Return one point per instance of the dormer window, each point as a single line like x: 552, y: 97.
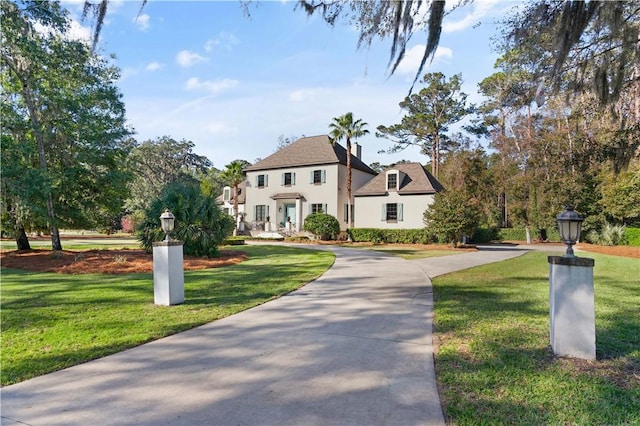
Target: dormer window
x: 392, y: 181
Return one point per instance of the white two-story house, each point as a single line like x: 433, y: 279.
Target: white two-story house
x: 305, y: 177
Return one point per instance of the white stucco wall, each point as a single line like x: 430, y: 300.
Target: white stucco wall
x: 368, y: 210
x: 331, y: 193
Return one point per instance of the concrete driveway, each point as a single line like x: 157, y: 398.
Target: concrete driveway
x: 351, y: 348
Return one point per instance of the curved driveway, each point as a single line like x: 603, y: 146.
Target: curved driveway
x: 351, y: 348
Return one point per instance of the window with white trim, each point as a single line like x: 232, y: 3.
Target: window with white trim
x: 226, y: 195
x: 346, y: 212
x: 392, y: 181
x: 288, y: 178
x: 318, y: 177
x: 318, y: 208
x: 261, y: 212
x: 262, y: 181
x: 392, y: 212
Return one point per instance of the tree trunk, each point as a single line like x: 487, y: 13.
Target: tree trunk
x: 22, y: 241
x: 235, y: 209
x: 349, y: 209
x: 37, y: 129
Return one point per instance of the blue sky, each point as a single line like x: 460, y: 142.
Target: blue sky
x: 232, y: 84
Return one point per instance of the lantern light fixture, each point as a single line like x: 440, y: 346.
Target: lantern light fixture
x: 569, y: 226
x: 167, y: 221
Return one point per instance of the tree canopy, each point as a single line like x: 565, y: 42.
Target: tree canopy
x: 63, y: 126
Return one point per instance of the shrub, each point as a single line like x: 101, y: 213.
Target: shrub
x: 200, y: 223
x: 633, y: 236
x: 451, y: 216
x: 485, y: 235
x: 397, y: 236
x: 234, y: 241
x: 322, y: 225
x: 610, y: 235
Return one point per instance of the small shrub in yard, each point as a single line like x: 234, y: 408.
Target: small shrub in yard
x: 322, y: 225
x: 610, y: 235
x: 633, y: 236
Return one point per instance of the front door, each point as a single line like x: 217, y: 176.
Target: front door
x: 290, y: 213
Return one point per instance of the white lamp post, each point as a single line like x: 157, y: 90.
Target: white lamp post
x: 569, y: 226
x: 571, y: 295
x: 167, y: 222
x: 168, y: 268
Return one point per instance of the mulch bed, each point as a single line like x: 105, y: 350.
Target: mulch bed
x: 123, y: 261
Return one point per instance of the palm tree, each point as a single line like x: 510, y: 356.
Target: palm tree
x: 345, y: 127
x: 234, y: 175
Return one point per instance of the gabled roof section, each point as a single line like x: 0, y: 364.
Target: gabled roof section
x: 241, y: 194
x: 309, y: 151
x: 416, y: 181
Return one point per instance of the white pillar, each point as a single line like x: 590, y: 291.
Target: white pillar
x: 298, y: 214
x: 168, y: 273
x: 572, y: 307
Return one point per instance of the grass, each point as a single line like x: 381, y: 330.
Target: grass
x: 494, y: 363
x: 78, y: 244
x: 407, y: 252
x: 53, y: 321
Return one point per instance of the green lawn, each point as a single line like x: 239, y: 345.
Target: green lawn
x: 53, y: 321
x: 407, y: 252
x: 494, y: 362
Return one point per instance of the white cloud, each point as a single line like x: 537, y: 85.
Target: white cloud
x: 142, y: 21
x: 413, y: 57
x: 224, y: 39
x: 478, y: 9
x: 303, y: 95
x: 185, y: 58
x: 75, y: 32
x: 214, y: 87
x: 154, y: 66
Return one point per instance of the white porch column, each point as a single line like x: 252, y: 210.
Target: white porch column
x: 298, y: 214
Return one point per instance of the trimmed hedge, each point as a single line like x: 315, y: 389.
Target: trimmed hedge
x: 486, y: 235
x: 392, y: 236
x: 234, y: 241
x: 633, y: 236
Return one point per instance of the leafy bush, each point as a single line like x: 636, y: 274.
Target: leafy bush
x: 452, y: 215
x: 633, y: 236
x: 322, y: 225
x: 234, y: 241
x: 200, y: 223
x: 485, y: 235
x: 610, y: 235
x: 520, y: 234
x: 397, y: 236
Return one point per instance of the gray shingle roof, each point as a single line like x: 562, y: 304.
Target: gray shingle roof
x: 416, y: 181
x: 309, y: 151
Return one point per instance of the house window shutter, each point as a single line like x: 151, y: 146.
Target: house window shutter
x: 257, y: 180
x: 383, y: 217
x: 324, y: 208
x: 255, y: 213
x: 324, y: 176
x: 346, y: 212
x: 311, y: 177
x: 266, y: 180
x: 399, y: 211
x: 293, y: 178
x: 267, y: 211
x: 282, y: 179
